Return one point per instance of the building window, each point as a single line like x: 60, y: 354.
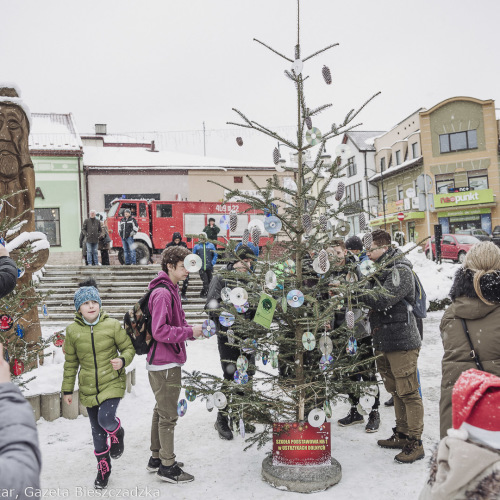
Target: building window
x: 351, y: 167
x: 458, y: 141
x: 400, y: 192
x: 382, y: 164
x: 414, y: 149
x: 238, y: 180
x: 47, y: 221
x: 353, y: 192
x: 164, y: 210
x: 398, y: 157
x: 445, y: 183
x: 478, y: 180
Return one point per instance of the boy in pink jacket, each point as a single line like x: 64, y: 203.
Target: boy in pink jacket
x: 170, y: 332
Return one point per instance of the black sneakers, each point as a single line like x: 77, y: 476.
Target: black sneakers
x: 352, y: 418
x: 373, y: 421
x: 174, y: 474
x: 222, y: 427
x: 154, y: 464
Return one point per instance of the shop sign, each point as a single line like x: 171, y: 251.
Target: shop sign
x: 470, y: 198
x: 469, y: 211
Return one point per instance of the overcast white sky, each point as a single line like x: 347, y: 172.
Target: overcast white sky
x: 165, y: 65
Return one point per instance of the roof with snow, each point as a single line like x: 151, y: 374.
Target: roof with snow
x: 54, y: 132
x: 398, y: 168
x: 138, y: 158
x: 112, y: 139
x: 364, y: 140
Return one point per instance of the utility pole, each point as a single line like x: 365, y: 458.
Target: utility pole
x: 383, y: 196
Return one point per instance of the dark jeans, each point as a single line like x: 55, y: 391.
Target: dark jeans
x: 103, y: 420
x: 367, y: 372
x: 185, y: 284
x: 206, y: 277
x: 129, y: 250
x: 92, y: 254
x: 105, y: 257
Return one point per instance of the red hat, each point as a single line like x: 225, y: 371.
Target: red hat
x: 476, y: 406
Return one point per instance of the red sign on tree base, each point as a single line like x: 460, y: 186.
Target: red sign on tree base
x: 299, y: 443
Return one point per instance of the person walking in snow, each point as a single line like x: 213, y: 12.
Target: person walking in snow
x: 92, y: 230
x: 397, y: 344
x: 127, y: 229
x: 208, y: 254
x: 344, y: 265
x: 98, y: 349
x: 177, y: 242
x: 466, y: 464
x: 475, y: 306
x: 164, y: 361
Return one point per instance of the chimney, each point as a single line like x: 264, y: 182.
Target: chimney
x: 153, y: 148
x: 100, y: 128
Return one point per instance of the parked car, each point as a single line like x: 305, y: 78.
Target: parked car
x: 496, y: 236
x: 480, y: 234
x: 453, y: 246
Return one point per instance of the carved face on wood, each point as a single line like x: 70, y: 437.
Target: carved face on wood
x: 13, y: 134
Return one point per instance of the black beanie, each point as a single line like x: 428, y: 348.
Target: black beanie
x: 354, y: 243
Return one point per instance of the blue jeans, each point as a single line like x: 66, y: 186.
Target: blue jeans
x: 103, y: 420
x: 129, y: 250
x: 92, y: 254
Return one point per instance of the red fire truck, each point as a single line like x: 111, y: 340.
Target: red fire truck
x: 159, y: 220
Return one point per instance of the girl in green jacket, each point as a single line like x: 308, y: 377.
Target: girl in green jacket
x: 91, y: 345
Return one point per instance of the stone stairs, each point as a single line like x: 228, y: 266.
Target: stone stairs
x: 119, y: 287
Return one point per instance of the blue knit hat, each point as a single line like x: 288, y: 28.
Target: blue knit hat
x: 86, y: 293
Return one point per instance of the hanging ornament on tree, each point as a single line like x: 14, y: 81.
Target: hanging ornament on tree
x: 309, y: 122
x: 273, y: 356
x: 327, y: 75
x: 352, y: 346
x: 20, y: 272
x: 246, y: 237
x: 307, y: 223
x: 242, y: 428
x: 368, y: 240
x: 308, y: 341
x: 19, y: 331
x: 340, y: 191
x: 276, y: 156
x: 349, y: 319
x: 343, y: 228
x: 319, y: 268
x: 297, y: 66
x: 17, y: 367
x: 362, y: 222
x: 182, y: 407
x: 327, y: 408
x: 367, y: 267
x: 45, y: 311
x: 324, y: 263
x: 59, y: 339
x: 265, y: 358
x: 256, y: 236
x: 323, y: 222
x: 2, y: 241
x: 313, y: 136
x: 6, y: 323
x: 239, y: 141
x: 210, y: 402
x: 233, y: 222
x: 316, y: 417
x: 190, y: 394
x: 396, y: 278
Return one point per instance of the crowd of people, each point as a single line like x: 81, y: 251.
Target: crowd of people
x: 467, y: 460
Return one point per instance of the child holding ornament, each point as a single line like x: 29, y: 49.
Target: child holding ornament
x: 98, y: 346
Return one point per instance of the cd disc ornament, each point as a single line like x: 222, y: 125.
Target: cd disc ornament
x: 276, y: 155
x: 272, y: 224
x: 327, y: 76
x: 225, y: 294
x: 352, y: 346
x: 340, y: 191
x: 208, y: 328
x: 220, y: 400
x: 325, y: 362
x: 316, y: 417
x: 238, y: 296
x: 182, y: 407
x: 192, y: 263
x: 240, y: 378
x: 226, y: 319
x: 325, y: 345
x: 367, y: 267
x: 343, y: 228
x: 243, y: 308
x: 308, y: 341
x: 233, y: 222
x: 313, y: 136
x: 224, y: 222
x: 295, y: 298
x: 239, y: 141
x: 271, y: 280
x: 242, y: 363
x: 190, y: 394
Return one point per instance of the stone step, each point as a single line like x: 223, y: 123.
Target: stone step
x: 191, y: 318
x: 103, y: 285
x: 116, y: 294
x: 115, y: 306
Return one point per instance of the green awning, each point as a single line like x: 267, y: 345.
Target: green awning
x: 391, y: 219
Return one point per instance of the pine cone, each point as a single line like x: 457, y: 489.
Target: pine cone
x: 239, y: 141
x: 233, y: 222
x: 307, y: 223
x: 349, y: 318
x: 368, y: 240
x: 276, y: 156
x: 362, y: 222
x: 246, y: 237
x: 309, y: 122
x: 340, y: 191
x: 256, y: 236
x: 323, y: 260
x: 323, y: 222
x: 327, y: 75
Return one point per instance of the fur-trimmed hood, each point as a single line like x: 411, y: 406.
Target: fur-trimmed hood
x: 463, y: 286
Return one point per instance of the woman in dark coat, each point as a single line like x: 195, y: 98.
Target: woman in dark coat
x: 475, y: 296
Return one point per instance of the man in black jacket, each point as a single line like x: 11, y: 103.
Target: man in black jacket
x: 92, y: 230
x: 177, y: 242
x: 8, y: 273
x: 397, y: 343
x: 127, y: 229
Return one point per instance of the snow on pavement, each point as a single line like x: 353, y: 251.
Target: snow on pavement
x: 222, y: 469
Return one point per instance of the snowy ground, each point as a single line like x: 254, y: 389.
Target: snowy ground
x: 221, y: 468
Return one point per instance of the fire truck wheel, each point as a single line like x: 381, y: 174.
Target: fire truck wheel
x: 141, y: 253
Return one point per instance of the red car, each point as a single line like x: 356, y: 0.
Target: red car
x: 453, y: 246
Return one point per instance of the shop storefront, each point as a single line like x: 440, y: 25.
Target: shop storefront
x: 393, y: 225
x: 462, y: 214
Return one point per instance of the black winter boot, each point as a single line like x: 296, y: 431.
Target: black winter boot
x: 117, y: 443
x: 222, y: 427
x: 373, y: 421
x: 352, y: 418
x: 103, y: 469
